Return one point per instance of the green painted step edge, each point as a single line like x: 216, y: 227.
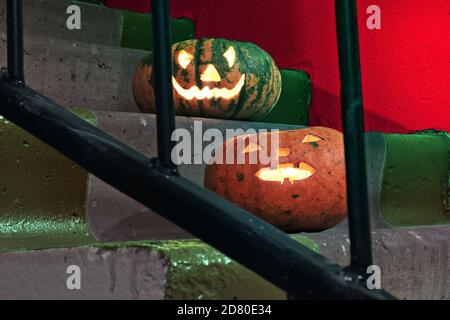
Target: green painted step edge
x: 415, y: 184
x: 197, y: 271
x: 446, y: 136
x: 137, y: 30
x: 43, y: 195
x: 293, y: 105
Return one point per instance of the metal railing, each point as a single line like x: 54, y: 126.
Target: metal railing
x: 353, y: 124
x: 155, y: 182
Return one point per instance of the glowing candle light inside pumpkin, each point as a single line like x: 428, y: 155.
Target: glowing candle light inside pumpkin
x: 215, y: 78
x: 284, y: 152
x: 195, y: 92
x: 210, y: 74
x: 311, y: 159
x: 184, y: 58
x: 286, y: 171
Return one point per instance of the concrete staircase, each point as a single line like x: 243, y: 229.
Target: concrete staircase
x: 53, y: 214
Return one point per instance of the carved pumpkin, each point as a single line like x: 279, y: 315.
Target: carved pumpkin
x: 305, y: 191
x: 215, y: 78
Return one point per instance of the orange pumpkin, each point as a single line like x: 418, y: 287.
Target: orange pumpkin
x: 305, y: 191
x: 215, y: 78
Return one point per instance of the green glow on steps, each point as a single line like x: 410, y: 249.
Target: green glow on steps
x: 198, y: 271
x: 415, y: 189
x: 43, y: 195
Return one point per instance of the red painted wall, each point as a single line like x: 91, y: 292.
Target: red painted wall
x: 405, y: 65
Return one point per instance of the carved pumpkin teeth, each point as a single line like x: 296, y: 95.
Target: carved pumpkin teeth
x: 284, y: 152
x: 207, y: 93
x: 306, y: 167
x: 286, y: 171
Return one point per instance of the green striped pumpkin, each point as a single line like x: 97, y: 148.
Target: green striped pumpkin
x: 215, y: 78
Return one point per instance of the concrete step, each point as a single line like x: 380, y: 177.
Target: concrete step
x: 99, y: 25
x: 97, y: 77
x: 47, y: 199
x: 414, y: 265
x: 44, y: 203
x: 114, y: 216
x: 47, y: 18
x: 47, y: 202
x: 402, y: 193
x: 72, y: 195
x: 78, y: 74
x: 146, y: 270
x: 94, y: 67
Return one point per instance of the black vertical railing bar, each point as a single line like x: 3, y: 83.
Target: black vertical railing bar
x: 162, y: 77
x: 353, y: 125
x: 15, y: 41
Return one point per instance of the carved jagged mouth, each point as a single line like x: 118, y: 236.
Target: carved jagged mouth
x: 286, y: 171
x: 206, y: 93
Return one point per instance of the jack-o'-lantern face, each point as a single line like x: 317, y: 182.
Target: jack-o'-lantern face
x: 304, y: 191
x: 216, y: 78
x: 210, y: 77
x: 289, y: 171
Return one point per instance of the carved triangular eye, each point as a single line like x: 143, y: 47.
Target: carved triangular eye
x: 252, y: 147
x: 309, y: 138
x: 185, y: 58
x: 230, y: 55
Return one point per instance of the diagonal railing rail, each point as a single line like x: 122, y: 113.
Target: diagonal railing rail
x: 156, y: 183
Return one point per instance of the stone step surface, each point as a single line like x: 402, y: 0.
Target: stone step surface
x: 413, y: 261
x: 78, y: 74
x: 98, y: 77
x: 46, y: 200
x: 113, y: 216
x: 47, y: 18
x: 145, y: 271
x: 99, y: 24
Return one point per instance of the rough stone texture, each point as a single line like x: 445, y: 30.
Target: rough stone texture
x: 113, y: 215
x: 126, y: 273
x: 43, y: 194
x: 134, y: 270
x: 76, y: 74
x: 415, y: 263
x: 47, y: 18
x: 197, y: 271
